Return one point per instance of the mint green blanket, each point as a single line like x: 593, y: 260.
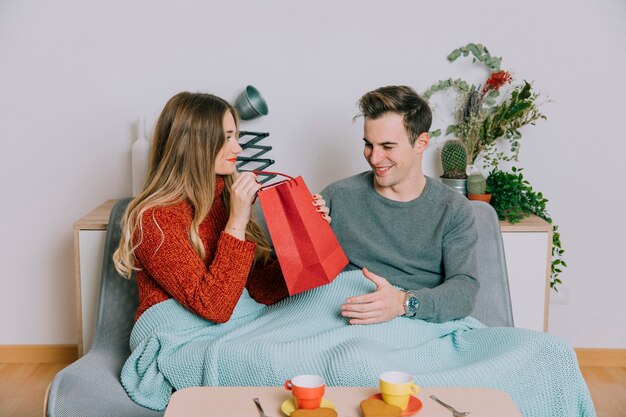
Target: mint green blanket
x: 263, y: 346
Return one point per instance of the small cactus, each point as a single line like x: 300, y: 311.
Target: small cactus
x: 476, y: 184
x: 454, y: 159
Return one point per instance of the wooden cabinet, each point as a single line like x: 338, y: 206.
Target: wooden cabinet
x: 527, y: 247
x: 528, y: 251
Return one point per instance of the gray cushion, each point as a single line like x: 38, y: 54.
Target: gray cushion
x: 91, y: 385
x: 493, y: 303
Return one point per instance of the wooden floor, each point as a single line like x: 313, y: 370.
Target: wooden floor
x: 608, y: 390
x: 23, y: 387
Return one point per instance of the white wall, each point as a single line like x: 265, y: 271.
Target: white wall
x: 75, y: 75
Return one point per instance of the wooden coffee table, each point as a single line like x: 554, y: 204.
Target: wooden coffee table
x: 237, y: 401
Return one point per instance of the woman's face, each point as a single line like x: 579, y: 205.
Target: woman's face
x: 227, y: 156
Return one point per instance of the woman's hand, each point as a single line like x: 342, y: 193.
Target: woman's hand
x: 320, y: 206
x: 242, y: 195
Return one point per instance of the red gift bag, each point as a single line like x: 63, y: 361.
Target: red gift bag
x: 307, y: 249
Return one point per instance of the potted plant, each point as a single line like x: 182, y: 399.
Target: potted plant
x: 454, y: 163
x: 513, y: 198
x: 477, y: 187
x: 489, y: 125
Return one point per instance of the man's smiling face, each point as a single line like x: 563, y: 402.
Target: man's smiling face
x: 395, y: 162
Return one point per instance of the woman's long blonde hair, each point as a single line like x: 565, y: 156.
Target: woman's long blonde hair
x: 187, y: 138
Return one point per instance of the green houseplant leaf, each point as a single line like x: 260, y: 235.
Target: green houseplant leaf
x: 513, y: 198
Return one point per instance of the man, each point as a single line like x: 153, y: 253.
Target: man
x: 400, y: 227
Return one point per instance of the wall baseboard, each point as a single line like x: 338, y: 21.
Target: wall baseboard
x: 601, y: 357
x: 38, y: 353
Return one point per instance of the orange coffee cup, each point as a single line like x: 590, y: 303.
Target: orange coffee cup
x: 308, y: 391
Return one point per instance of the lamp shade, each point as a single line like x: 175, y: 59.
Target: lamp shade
x: 250, y: 104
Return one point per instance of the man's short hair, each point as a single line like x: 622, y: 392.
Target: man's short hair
x: 399, y: 99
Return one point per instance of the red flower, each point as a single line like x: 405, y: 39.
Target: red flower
x: 497, y: 80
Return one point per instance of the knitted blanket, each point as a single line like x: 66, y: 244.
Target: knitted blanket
x: 306, y: 334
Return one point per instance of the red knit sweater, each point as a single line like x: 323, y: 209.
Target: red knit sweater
x: 171, y: 268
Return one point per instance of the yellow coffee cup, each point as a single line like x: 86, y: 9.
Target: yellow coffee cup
x: 396, y: 388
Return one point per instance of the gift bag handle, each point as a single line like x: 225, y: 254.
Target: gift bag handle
x: 289, y: 178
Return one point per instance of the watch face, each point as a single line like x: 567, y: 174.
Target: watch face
x: 413, y: 304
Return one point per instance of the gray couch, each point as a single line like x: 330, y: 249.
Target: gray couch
x: 90, y: 386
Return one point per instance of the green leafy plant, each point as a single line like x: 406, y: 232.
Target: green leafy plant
x: 454, y: 160
x: 513, y: 198
x: 482, y: 116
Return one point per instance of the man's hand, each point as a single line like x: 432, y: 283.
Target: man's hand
x: 384, y: 304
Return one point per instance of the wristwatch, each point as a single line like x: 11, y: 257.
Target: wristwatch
x: 411, y: 304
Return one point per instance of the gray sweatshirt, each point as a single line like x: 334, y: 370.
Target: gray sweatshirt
x: 426, y: 245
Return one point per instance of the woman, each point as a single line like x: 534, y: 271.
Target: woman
x: 190, y: 234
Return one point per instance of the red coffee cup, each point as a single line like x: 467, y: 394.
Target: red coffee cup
x: 308, y: 391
